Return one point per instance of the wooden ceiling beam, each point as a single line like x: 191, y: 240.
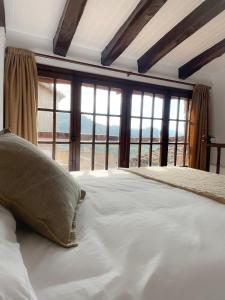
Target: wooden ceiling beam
x: 205, y: 12
x: 2, y: 14
x: 68, y: 23
x: 142, y: 14
x: 201, y: 60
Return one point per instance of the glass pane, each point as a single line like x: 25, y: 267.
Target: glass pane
x: 100, y: 128
x: 101, y: 100
x: 86, y: 128
x: 63, y: 95
x: 62, y: 127
x: 157, y: 126
x: 114, y: 129
x: 181, y: 132
x: 115, y: 101
x: 45, y: 126
x: 170, y: 157
x: 87, y: 98
x: 133, y: 155
x: 158, y: 106
x: 144, y: 155
x: 180, y: 155
x: 113, y: 156
x: 173, y: 108
x: 85, y: 157
x: 62, y: 154
x: 172, y: 131
x: 183, y: 109
x: 46, y: 148
x: 45, y: 92
x: 136, y: 104
x: 147, y: 105
x: 146, y: 130
x: 155, y: 155
x: 100, y: 153
x: 187, y: 156
x: 135, y: 130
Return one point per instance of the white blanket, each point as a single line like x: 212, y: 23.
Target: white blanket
x: 139, y: 239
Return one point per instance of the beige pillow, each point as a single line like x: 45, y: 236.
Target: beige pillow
x: 37, y: 190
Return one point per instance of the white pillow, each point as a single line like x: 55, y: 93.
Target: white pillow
x: 14, y: 281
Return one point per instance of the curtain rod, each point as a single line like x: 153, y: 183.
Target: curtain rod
x: 112, y: 69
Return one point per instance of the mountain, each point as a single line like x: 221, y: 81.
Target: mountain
x: 63, y: 126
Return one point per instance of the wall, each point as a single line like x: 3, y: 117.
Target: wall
x: 2, y: 55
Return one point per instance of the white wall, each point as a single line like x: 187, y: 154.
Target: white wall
x: 2, y: 56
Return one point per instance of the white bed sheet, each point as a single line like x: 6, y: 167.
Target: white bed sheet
x: 139, y: 239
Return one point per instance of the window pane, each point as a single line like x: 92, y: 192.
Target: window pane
x: 100, y: 128
x: 86, y: 128
x: 136, y: 104
x: 157, y: 126
x: 172, y: 131
x: 133, y: 155
x: 187, y: 156
x: 100, y: 152
x: 85, y: 157
x: 46, y: 148
x: 147, y: 105
x: 155, y: 155
x: 115, y: 102
x: 144, y: 155
x: 135, y: 130
x: 45, y: 126
x: 87, y: 98
x: 180, y: 155
x: 114, y: 129
x: 146, y: 130
x: 158, y: 106
x: 45, y: 92
x: 62, y: 127
x: 101, y: 100
x: 170, y: 157
x: 62, y: 155
x: 63, y: 95
x: 173, y: 108
x: 181, y: 132
x: 183, y: 109
x: 113, y: 156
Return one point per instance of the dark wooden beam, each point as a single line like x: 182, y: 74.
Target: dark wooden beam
x: 2, y: 14
x: 201, y: 60
x: 68, y: 23
x: 142, y: 14
x: 205, y: 12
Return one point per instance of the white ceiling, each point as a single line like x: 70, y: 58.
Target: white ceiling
x: 32, y: 24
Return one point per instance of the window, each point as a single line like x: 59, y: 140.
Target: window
x: 91, y: 122
x: 178, y: 130
x: 100, y: 127
x: 54, y: 118
x: 145, y: 129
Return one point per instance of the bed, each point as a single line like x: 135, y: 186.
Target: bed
x: 138, y: 239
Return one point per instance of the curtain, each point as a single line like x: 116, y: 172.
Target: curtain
x: 198, y: 127
x: 20, y: 92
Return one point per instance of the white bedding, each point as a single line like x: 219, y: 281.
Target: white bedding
x: 139, y: 239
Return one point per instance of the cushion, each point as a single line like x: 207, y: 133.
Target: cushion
x: 37, y: 190
x: 14, y: 280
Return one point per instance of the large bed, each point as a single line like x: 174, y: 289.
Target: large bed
x: 138, y: 239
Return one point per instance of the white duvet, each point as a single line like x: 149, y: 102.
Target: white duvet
x: 139, y: 239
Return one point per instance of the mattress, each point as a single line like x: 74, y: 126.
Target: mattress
x: 138, y: 239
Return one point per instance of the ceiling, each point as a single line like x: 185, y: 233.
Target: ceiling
x: 32, y: 24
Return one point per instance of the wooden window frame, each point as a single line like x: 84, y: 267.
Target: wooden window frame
x: 127, y: 87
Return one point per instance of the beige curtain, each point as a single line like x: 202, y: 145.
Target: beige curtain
x: 198, y: 127
x: 20, y: 92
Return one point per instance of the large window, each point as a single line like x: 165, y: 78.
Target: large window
x: 91, y: 122
x: 100, y: 127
